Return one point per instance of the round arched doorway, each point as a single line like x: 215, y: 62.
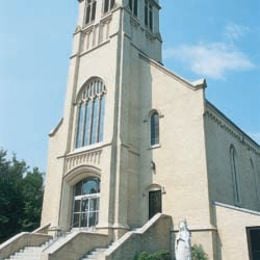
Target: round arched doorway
x: 86, y: 203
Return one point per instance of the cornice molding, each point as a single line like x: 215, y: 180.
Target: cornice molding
x: 228, y: 126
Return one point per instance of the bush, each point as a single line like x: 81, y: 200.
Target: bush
x: 198, y: 253
x: 159, y: 255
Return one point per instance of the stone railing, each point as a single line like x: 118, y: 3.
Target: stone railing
x: 42, y: 230
x: 154, y: 235
x: 90, y: 157
x: 20, y: 241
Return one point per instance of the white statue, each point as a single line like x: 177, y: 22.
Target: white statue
x: 183, y: 242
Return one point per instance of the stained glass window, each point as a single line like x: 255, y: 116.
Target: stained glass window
x: 154, y: 125
x: 234, y: 173
x: 91, y: 112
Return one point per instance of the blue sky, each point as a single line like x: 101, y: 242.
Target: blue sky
x: 216, y: 40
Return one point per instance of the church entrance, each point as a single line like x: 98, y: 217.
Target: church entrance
x: 155, y: 202
x: 86, y: 203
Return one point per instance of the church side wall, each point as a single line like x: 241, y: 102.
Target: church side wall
x: 221, y: 134
x: 180, y: 155
x: 179, y: 158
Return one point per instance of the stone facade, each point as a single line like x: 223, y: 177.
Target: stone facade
x: 190, y: 165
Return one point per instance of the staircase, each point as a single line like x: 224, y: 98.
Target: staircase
x: 95, y: 254
x: 29, y: 252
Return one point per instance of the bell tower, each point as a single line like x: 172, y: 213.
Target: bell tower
x: 93, y: 159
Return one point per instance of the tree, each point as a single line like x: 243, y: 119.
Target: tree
x: 32, y: 190
x: 21, y: 193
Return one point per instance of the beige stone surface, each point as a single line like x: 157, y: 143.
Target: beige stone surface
x: 75, y: 246
x: 232, y: 223
x: 192, y: 165
x: 20, y: 241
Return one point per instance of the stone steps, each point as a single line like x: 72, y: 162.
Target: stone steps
x: 29, y: 252
x: 93, y: 255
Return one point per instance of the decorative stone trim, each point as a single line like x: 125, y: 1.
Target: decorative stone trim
x: 94, y: 35
x: 53, y: 131
x: 148, y: 115
x: 75, y: 160
x: 166, y: 71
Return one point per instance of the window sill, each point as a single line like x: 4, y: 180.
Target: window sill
x: 89, y: 148
x: 88, y: 25
x: 156, y: 146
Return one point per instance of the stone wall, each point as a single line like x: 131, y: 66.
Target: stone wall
x: 153, y: 236
x: 221, y: 134
x: 74, y: 246
x: 20, y: 241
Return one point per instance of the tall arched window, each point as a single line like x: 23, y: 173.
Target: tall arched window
x: 148, y: 14
x: 108, y: 5
x: 233, y: 162
x: 133, y: 6
x: 86, y: 203
x: 91, y: 110
x: 154, y: 128
x: 90, y: 14
x: 255, y: 177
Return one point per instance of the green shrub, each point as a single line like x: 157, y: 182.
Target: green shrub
x: 159, y: 255
x: 198, y: 253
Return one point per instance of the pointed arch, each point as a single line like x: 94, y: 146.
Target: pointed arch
x: 255, y: 177
x: 234, y: 171
x: 90, y: 113
x: 108, y: 5
x: 154, y: 128
x: 90, y: 12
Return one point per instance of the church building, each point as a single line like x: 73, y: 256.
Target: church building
x: 140, y: 149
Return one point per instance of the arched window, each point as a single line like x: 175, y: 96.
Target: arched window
x: 90, y: 14
x: 91, y: 110
x: 154, y: 128
x: 255, y: 177
x: 108, y: 5
x: 86, y: 203
x: 133, y: 6
x: 233, y: 162
x: 148, y: 14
